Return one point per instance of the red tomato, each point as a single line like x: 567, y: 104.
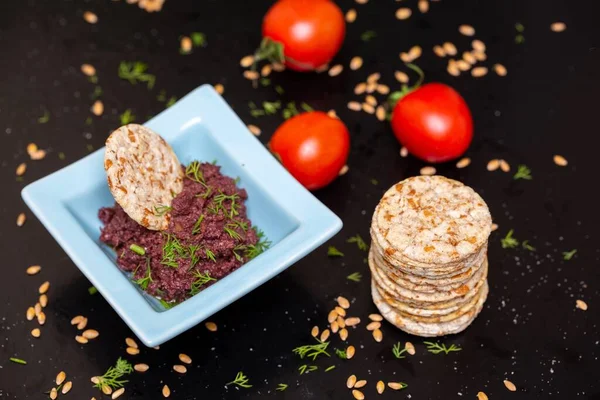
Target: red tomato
x: 311, y: 31
x: 313, y: 147
x: 433, y: 122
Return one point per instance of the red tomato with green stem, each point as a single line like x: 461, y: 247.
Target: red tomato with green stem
x: 302, y: 34
x: 313, y: 147
x: 432, y: 121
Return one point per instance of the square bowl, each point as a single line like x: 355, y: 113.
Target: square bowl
x: 200, y: 126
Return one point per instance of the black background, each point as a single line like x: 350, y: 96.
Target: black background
x: 529, y: 330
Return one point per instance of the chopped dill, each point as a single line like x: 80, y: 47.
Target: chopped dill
x: 194, y: 172
x: 147, y: 278
x: 398, y: 350
x: 437, y: 348
x: 341, y: 354
x: 312, y: 350
x: 135, y: 72
x: 161, y: 210
x: 355, y: 276
x: 332, y: 251
x: 567, y: 255
x: 523, y: 172
x: 254, y: 250
x: 240, y: 380
x: 198, y: 225
x: 127, y: 117
x: 281, y: 387
x: 210, y: 255
x: 201, y: 280
x: 509, y: 242
x: 112, y: 377
x: 360, y: 243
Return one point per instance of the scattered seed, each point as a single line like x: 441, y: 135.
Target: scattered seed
x: 351, y: 15
x: 356, y: 63
x: 410, y: 348
x: 106, y: 389
x: 324, y: 335
x: 380, y: 113
x: 371, y: 87
x: 478, y: 45
x: 350, y: 381
x: 470, y: 58
x: 255, y: 130
x: 478, y: 72
x: 41, y: 318
x: 43, y: 300
x: 401, y: 77
x: 81, y: 339
x: 44, y: 287
x: 20, y: 222
x: 560, y: 160
x: 360, y: 384
x: 494, y: 227
x: 466, y: 30
x: 341, y: 322
x: 91, y: 334
x: 131, y: 343
x: 336, y: 70
x: 415, y: 52
x: 36, y: 332
x: 95, y: 380
x: 30, y: 313
x: 428, y: 170
x: 88, y: 69
x: 60, y: 377
x: 38, y: 155
x: 354, y: 106
x: 185, y: 44
x: 558, y: 26
x: 184, y: 358
x: 344, y: 170
x: 374, y: 77
x: 343, y: 334
x: 34, y: 269
x: 403, y: 152
x: 332, y: 114
x: 340, y: 311
x: 438, y: 51
x: 332, y: 316
x: 463, y: 162
x: 132, y: 351
x: 82, y: 324
x: 500, y: 70
x: 166, y: 392
x: 66, y: 387
x: 117, y: 393
x: 370, y: 99
x: 380, y: 387
x: 375, y: 317
x: 366, y: 107
x: 360, y: 88
x: 278, y: 67
x: 396, y: 385
x: 504, y: 166
x: 180, y: 369
x: 266, y: 70
x: 463, y: 65
x: 211, y: 326
x: 582, y: 305
x: 482, y: 396
x: 479, y: 56
x: 219, y: 88
x: 343, y: 302
x: 90, y: 17
x: 247, y: 61
x: 350, y: 351
x: 251, y: 75
x: 423, y: 6
x: 450, y: 48
x: 141, y: 367
x: 362, y: 1
x: 405, y: 57
x: 97, y: 108
x: 37, y: 308
x: 334, y: 327
x: 493, y: 165
x: 373, y: 325
x: 382, y: 89
x: 403, y: 13
x: 358, y: 395
x: 377, y: 335
x: 21, y: 168
x: 453, y: 68
x: 53, y: 394
x: 76, y: 320
x: 510, y: 386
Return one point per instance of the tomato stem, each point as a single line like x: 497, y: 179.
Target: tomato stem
x: 419, y: 71
x: 396, y: 96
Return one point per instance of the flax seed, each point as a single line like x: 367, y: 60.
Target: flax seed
x: 415, y: 52
x: 351, y: 15
x: 34, y: 269
x: 482, y: 396
x: 493, y: 165
x: 21, y: 168
x: 30, y: 313
x: 38, y: 155
x: 360, y: 384
x: 219, y: 88
x: 463, y: 162
x: 117, y: 393
x: 343, y: 334
x: 558, y: 26
x: 324, y: 335
x: 366, y: 107
x: 360, y: 88
x: 90, y: 17
x: 332, y: 316
x: 375, y: 317
x: 504, y: 166
x: 401, y: 77
x: 428, y: 170
x: 82, y: 324
x: 560, y: 160
x: 350, y: 381
x: 405, y: 57
x: 354, y: 106
x: 374, y: 77
x: 185, y: 44
x: 350, y: 351
x: 380, y: 387
x: 449, y: 48
x: 250, y: 75
x: 132, y: 351
x: 53, y: 394
x: 88, y: 69
x: 382, y: 89
x: 141, y: 367
x: 510, y: 386
x: 373, y: 325
x: 466, y: 30
x: 166, y: 392
x: 358, y: 395
x: 370, y: 99
x: 43, y: 300
x: 423, y: 6
x: 247, y: 61
x: 44, y: 287
x: 582, y: 305
x: 478, y: 72
x: 403, y: 13
x: 396, y: 385
x: 266, y: 70
x: 362, y: 1
x: 403, y: 152
x: 463, y: 65
x: 36, y: 332
x: 81, y: 339
x: 66, y: 387
x: 336, y: 70
x: 38, y: 309
x: 255, y: 130
x: 438, y: 51
x: 500, y: 70
x: 344, y: 170
x: 131, y: 343
x: 478, y: 45
x: 334, y: 327
x: 97, y: 108
x: 60, y: 378
x: 21, y: 221
x: 470, y: 58
x: 479, y: 56
x: 377, y: 335
x: 453, y: 69
x: 356, y: 63
x: 343, y: 302
x: 41, y: 318
x: 95, y: 380
x: 76, y: 320
x: 340, y: 311
x: 371, y: 87
x: 179, y: 369
x: 341, y: 322
x: 211, y: 326
x: 380, y: 113
x: 90, y: 334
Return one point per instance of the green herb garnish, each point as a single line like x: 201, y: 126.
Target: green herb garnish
x: 271, y: 107
x: 509, y: 242
x: 567, y: 255
x: 240, y: 380
x: 137, y: 249
x: 198, y: 39
x: 167, y: 304
x: 265, y: 82
x: 332, y: 251
x: 219, y: 204
x: 127, y: 117
x: 290, y: 110
x: 18, y: 361
x: 89, y: 121
x: 44, y: 118
x: 198, y: 225
x: 112, y: 377
x: 523, y: 172
x: 355, y: 276
x: 161, y: 210
x: 437, y: 348
x: 306, y: 107
x: 374, y: 182
x: 144, y: 281
x: 89, y: 147
x: 97, y: 93
x: 210, y: 255
x: 359, y: 242
x: 135, y: 72
x: 330, y: 368
x: 527, y: 246
x: 201, y: 280
x: 92, y: 290
x: 173, y: 249
x: 312, y: 350
x: 194, y: 172
x: 279, y: 90
x: 281, y: 387
x: 230, y: 230
x: 304, y: 369
x: 368, y: 35
x: 341, y: 354
x: 172, y: 100
x: 398, y: 350
x: 254, y: 250
x: 61, y: 156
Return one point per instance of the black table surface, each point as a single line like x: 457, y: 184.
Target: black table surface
x: 529, y: 331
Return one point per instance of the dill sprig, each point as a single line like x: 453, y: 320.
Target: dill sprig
x: 355, y: 276
x: 330, y: 368
x: 368, y: 35
x: 197, y: 225
x: 230, y: 230
x: 290, y: 110
x: 240, y: 380
x: 305, y: 369
x: 341, y: 354
x: 219, y: 204
x: 18, y: 361
x: 173, y: 249
x: 254, y: 250
x: 509, y: 242
x: 193, y: 171
x: 112, y: 377
x: 198, y: 39
x: 161, y: 210
x: 127, y: 117
x: 44, y: 118
x: 281, y: 387
x: 360, y: 243
x: 523, y: 172
x: 201, y: 280
x: 332, y: 251
x: 312, y: 350
x: 437, y: 348
x: 567, y: 255
x: 527, y: 246
x: 137, y: 249
x: 167, y: 304
x: 135, y: 72
x: 147, y: 278
x: 210, y: 255
x: 398, y: 350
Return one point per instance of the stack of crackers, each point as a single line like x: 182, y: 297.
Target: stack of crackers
x: 428, y: 255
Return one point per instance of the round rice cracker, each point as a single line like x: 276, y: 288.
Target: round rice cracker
x: 431, y: 220
x: 425, y: 329
x: 143, y: 173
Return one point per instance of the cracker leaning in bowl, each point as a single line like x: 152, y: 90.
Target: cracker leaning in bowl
x: 428, y: 255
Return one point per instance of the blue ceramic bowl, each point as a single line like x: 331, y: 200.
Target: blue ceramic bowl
x: 200, y: 126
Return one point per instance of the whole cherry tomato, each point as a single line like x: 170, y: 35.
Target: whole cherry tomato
x: 313, y: 147
x: 433, y: 122
x: 303, y: 34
